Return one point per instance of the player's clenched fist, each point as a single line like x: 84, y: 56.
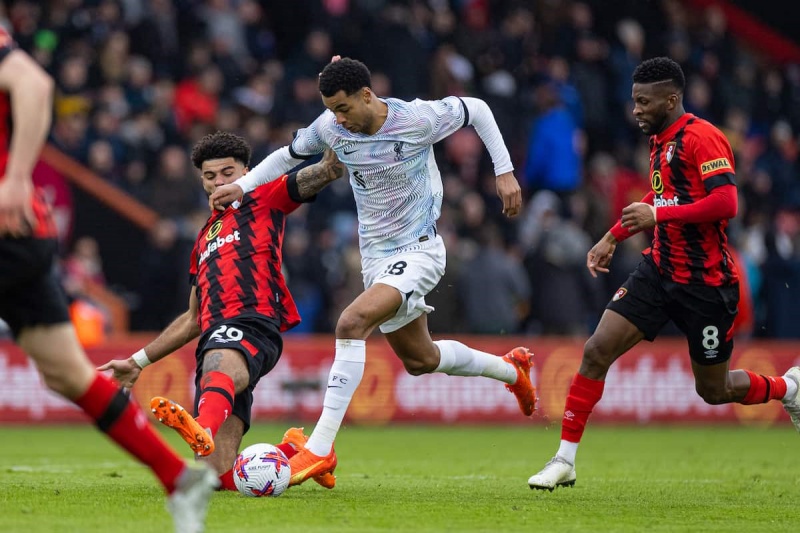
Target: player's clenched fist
x: 224, y: 196
x: 638, y: 216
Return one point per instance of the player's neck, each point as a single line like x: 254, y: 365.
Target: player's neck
x: 380, y: 113
x: 672, y: 119
x: 675, y: 117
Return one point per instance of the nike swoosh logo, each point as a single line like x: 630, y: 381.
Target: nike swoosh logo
x: 350, y: 152
x: 304, y: 474
x: 334, y: 386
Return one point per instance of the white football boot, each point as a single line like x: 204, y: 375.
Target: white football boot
x: 188, y: 504
x: 556, y: 473
x: 792, y: 405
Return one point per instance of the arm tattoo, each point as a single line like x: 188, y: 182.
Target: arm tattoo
x: 314, y: 178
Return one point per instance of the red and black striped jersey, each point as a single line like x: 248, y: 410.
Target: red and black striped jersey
x: 687, y: 161
x: 236, y: 260
x: 45, y: 225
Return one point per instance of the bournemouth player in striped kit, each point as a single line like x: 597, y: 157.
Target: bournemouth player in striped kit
x: 687, y: 276
x: 239, y: 305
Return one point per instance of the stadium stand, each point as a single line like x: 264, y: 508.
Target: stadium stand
x: 140, y: 80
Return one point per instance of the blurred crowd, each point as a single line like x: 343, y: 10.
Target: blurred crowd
x: 139, y: 81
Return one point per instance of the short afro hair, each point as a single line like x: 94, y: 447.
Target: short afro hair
x: 220, y: 145
x: 660, y: 69
x: 348, y: 75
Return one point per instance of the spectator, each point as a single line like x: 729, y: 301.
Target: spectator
x: 552, y: 161
x: 555, y: 260
x: 177, y: 197
x: 197, y: 98
x: 493, y: 286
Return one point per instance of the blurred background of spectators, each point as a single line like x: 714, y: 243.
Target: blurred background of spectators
x: 139, y: 81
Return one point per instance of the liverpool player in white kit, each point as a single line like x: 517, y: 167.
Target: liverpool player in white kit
x: 387, y: 146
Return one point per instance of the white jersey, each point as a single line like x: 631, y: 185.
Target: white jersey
x: 395, y: 180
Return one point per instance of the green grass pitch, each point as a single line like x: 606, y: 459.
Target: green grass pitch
x: 427, y: 478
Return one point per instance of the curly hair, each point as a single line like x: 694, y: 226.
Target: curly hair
x: 220, y: 145
x: 348, y: 75
x: 660, y: 69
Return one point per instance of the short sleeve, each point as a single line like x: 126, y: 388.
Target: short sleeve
x: 278, y: 195
x: 309, y: 141
x: 445, y: 116
x: 713, y: 157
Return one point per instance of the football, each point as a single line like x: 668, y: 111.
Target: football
x: 261, y: 470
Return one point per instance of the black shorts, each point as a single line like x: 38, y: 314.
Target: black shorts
x: 703, y: 313
x: 260, y: 343
x: 30, y: 291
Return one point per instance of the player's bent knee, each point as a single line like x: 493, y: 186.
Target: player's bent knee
x: 596, y: 359
x: 713, y: 396
x: 417, y: 367
x: 351, y: 325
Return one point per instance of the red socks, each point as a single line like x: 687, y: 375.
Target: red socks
x: 287, y: 449
x: 226, y: 479
x: 216, y: 400
x: 126, y: 424
x: 764, y: 388
x: 584, y: 393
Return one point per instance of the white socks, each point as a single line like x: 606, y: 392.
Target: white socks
x: 345, y: 375
x: 456, y: 359
x: 567, y: 451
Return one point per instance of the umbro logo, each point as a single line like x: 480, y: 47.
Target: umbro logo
x: 569, y: 415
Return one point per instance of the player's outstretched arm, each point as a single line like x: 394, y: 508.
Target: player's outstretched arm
x: 482, y: 119
x: 271, y: 168
x: 314, y: 178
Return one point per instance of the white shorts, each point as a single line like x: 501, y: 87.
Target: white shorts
x: 414, y: 272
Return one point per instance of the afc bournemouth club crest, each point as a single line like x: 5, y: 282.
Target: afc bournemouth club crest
x: 670, y: 151
x: 622, y: 291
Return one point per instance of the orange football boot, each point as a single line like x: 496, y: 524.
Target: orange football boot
x: 296, y: 438
x: 307, y: 465
x: 173, y: 415
x: 523, y: 389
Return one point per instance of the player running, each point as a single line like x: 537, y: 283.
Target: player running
x: 239, y: 305
x: 34, y: 304
x: 687, y: 276
x: 387, y: 146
